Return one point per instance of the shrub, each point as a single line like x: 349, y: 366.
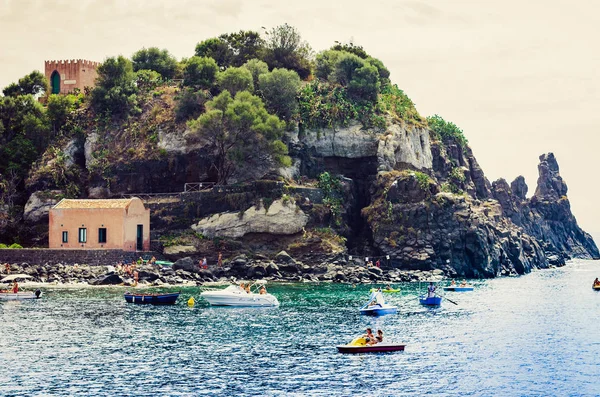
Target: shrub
x: 445, y: 130
x: 190, y: 104
x: 34, y: 83
x: 233, y: 49
x: 326, y: 62
x: 200, y: 72
x: 235, y: 80
x: 256, y: 68
x: 147, y: 80
x: 15, y: 246
x: 279, y: 89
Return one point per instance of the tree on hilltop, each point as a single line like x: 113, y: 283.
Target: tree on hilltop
x: 285, y: 48
x: 115, y: 92
x: 232, y: 49
x: 153, y: 58
x: 32, y: 84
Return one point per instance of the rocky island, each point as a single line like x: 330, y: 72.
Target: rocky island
x: 297, y: 168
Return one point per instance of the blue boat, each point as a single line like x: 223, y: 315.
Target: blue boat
x: 152, y: 299
x: 430, y: 301
x: 377, y: 306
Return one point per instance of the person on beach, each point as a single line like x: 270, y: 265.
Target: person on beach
x: 15, y: 287
x: 378, y: 264
x: 204, y: 264
x: 431, y: 290
x: 220, y: 260
x: 7, y: 267
x: 136, y: 277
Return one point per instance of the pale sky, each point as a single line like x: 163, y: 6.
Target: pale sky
x: 521, y: 78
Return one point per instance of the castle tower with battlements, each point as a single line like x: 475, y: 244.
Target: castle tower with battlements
x: 66, y: 75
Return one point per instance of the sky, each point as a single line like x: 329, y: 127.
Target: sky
x: 521, y: 78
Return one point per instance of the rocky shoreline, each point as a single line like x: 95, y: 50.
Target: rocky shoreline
x: 282, y: 268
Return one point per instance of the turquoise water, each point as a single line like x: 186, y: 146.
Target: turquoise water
x: 535, y: 335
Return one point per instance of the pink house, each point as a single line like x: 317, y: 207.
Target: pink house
x: 100, y: 224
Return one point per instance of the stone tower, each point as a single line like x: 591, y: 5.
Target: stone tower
x: 64, y: 76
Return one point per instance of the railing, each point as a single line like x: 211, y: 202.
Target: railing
x: 197, y: 186
x: 148, y: 195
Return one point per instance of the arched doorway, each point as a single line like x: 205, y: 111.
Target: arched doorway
x: 55, y: 82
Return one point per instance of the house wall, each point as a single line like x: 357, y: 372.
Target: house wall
x: 71, y: 219
x: 136, y: 215
x: 74, y: 73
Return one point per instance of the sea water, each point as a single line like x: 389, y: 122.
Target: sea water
x: 534, y: 335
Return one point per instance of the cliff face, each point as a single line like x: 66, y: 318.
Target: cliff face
x: 547, y: 215
x: 404, y: 192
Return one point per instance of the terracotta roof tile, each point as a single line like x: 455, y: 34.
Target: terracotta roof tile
x: 99, y: 203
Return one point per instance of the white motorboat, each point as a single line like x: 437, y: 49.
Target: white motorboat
x: 11, y: 296
x: 234, y: 295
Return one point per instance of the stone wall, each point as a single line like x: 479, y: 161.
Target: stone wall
x: 69, y: 257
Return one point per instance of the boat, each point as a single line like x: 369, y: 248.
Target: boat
x: 9, y: 295
x: 596, y: 287
x: 234, y: 295
x: 359, y: 345
x: 430, y: 300
x: 378, y: 348
x: 385, y: 290
x: 458, y: 288
x: 23, y: 295
x: 152, y: 299
x: 376, y: 306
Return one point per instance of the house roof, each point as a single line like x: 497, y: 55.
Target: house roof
x: 94, y: 204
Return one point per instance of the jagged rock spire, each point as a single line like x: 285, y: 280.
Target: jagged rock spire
x: 549, y: 183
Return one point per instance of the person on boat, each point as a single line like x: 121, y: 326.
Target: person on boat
x: 247, y: 289
x: 464, y: 283
x: 369, y: 337
x: 453, y: 283
x: 379, y: 337
x: 388, y: 287
x: 263, y: 290
x: 596, y: 282
x: 15, y: 287
x: 431, y: 290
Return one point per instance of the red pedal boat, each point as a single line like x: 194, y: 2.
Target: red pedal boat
x: 378, y: 348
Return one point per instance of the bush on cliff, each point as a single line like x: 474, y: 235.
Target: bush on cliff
x: 241, y: 132
x: 444, y: 130
x: 256, y: 68
x: 233, y: 49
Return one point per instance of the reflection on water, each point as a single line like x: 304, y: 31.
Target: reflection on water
x: 531, y: 335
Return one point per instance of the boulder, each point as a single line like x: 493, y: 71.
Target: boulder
x: 186, y: 264
x: 38, y: 205
x: 280, y: 219
x: 179, y: 250
x: 283, y: 257
x: 107, y: 279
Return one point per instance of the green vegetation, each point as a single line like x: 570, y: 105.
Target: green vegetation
x: 34, y: 83
x: 445, y: 130
x: 235, y: 80
x: 423, y: 180
x: 156, y: 60
x: 200, y: 72
x: 12, y: 246
x: 279, y: 89
x: 284, y: 48
x: 115, y: 93
x: 256, y: 68
x: 241, y: 131
x: 332, y: 188
x: 233, y: 49
x: 190, y: 104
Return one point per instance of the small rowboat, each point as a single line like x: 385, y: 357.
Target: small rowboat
x: 377, y: 306
x: 458, y: 288
x: 152, y: 299
x: 385, y: 291
x: 11, y: 296
x: 430, y: 301
x: 377, y: 348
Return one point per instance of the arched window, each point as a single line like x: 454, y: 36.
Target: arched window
x: 55, y: 82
